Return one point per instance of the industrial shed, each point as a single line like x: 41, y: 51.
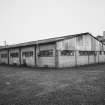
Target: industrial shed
x: 65, y: 51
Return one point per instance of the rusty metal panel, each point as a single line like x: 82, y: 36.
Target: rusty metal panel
x: 68, y: 44
x: 83, y: 43
x: 93, y: 44
x: 97, y: 45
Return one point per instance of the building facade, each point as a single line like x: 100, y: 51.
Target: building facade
x: 66, y: 51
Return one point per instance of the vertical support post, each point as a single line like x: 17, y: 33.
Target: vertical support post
x: 37, y: 51
x: 8, y: 55
x: 88, y: 58
x: 20, y: 55
x: 35, y: 56
x: 56, y: 56
x: 95, y: 57
x: 75, y: 57
x: 98, y: 57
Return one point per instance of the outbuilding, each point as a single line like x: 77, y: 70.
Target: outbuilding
x: 65, y: 51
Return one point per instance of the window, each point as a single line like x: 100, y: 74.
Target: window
x: 46, y: 53
x: 27, y: 54
x: 91, y: 52
x: 67, y: 53
x: 83, y: 53
x: 86, y: 53
x: 100, y: 52
x: 13, y: 55
x: 3, y: 55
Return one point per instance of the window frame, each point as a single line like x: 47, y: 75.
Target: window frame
x: 87, y: 53
x: 46, y: 53
x: 100, y: 52
x: 14, y: 54
x: 27, y: 54
x: 67, y: 52
x: 3, y: 55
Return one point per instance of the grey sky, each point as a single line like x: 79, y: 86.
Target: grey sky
x: 29, y: 20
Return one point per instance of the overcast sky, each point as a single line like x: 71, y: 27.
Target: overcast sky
x: 29, y: 20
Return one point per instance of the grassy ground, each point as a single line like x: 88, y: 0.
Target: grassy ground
x: 74, y: 86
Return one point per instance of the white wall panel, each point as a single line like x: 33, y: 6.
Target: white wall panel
x: 4, y: 60
x: 46, y: 61
x: 30, y: 61
x: 14, y: 60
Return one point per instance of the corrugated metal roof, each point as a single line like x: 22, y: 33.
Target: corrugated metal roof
x: 50, y: 40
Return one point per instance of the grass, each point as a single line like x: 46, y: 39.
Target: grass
x: 71, y: 86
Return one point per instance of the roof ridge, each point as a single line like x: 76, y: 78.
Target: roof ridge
x: 48, y: 40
